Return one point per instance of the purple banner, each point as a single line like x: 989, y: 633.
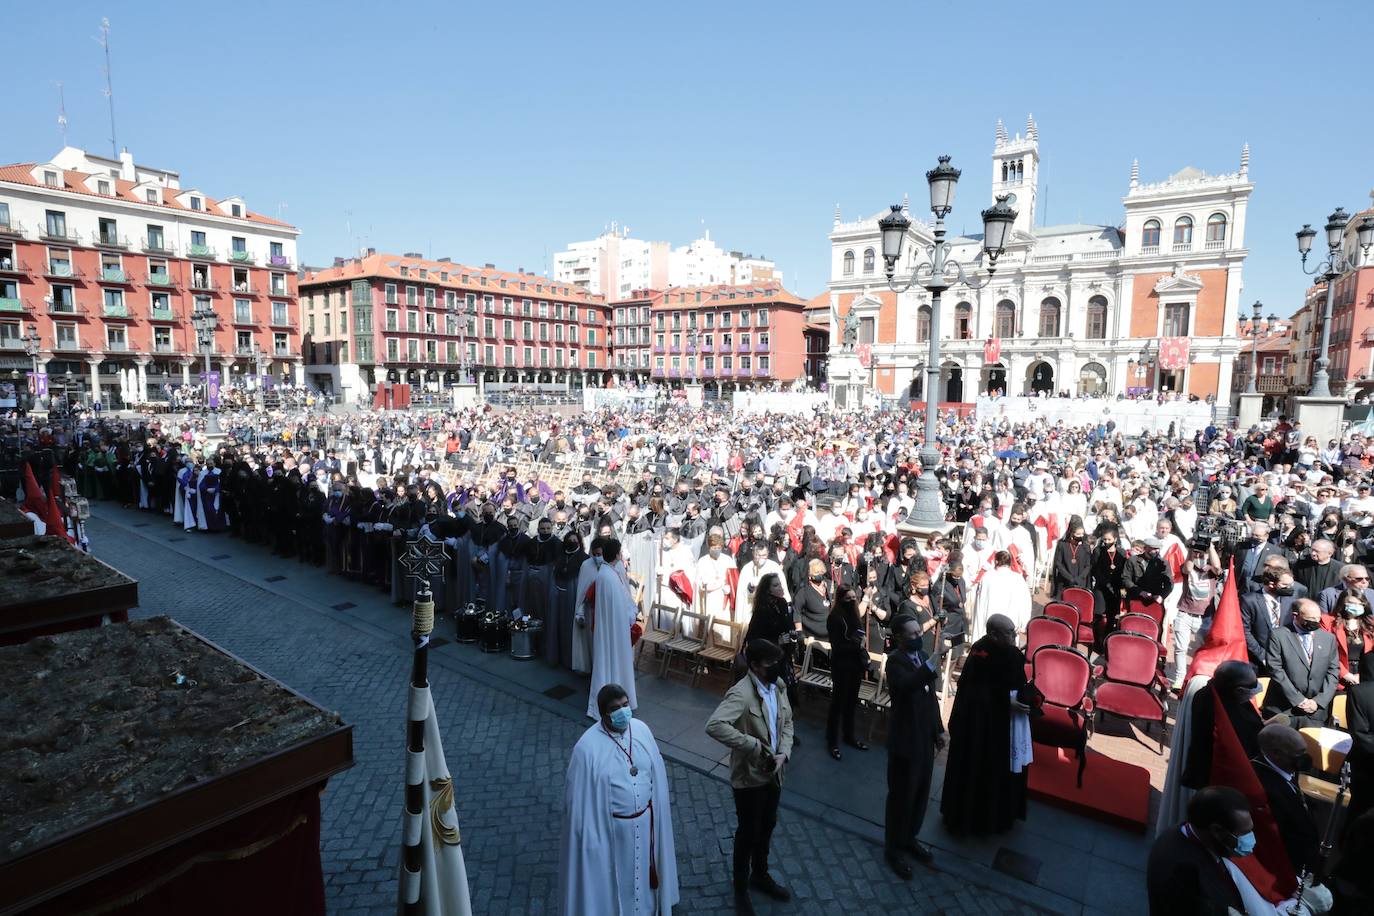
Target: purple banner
x: 211, y: 389
x: 42, y: 384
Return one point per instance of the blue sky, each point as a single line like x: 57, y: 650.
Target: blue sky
x: 500, y: 132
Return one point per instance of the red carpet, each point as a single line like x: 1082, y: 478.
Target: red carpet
x: 1113, y: 792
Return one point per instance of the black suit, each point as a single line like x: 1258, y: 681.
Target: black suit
x: 1296, y: 826
x: 1359, y: 712
x: 913, y: 725
x: 1317, y: 579
x: 1184, y: 879
x: 1294, y: 678
x: 1252, y: 582
x: 1254, y: 616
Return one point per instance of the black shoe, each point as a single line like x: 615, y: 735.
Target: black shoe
x: 857, y: 745
x: 743, y: 905
x: 921, y: 852
x: 899, y: 866
x: 765, y: 883
x: 835, y: 752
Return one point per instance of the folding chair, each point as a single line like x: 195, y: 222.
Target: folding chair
x: 683, y: 645
x: 877, y: 699
x: 812, y: 674
x: 722, y: 649
x: 656, y: 633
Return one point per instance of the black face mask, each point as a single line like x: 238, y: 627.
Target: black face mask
x: 1309, y: 626
x: 1302, y: 763
x: 1285, y: 592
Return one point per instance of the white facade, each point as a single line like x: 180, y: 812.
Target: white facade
x: 615, y: 265
x: 1064, y: 299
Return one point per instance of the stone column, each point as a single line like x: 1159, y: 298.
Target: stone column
x: 41, y: 402
x: 185, y: 371
x: 298, y: 371
x: 141, y: 379
x: 94, y: 364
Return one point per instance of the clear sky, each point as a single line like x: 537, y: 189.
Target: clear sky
x: 501, y: 131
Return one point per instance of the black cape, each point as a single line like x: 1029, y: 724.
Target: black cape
x: 981, y: 794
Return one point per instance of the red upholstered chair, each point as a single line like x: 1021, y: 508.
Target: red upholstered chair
x: 1127, y: 679
x: 1082, y: 601
x: 1154, y: 609
x: 1143, y: 624
x: 1046, y: 631
x: 1063, y: 675
x: 1067, y: 613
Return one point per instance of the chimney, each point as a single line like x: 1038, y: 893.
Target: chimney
x: 338, y: 262
x: 489, y: 266
x: 412, y: 254
x: 371, y: 251
x: 446, y: 260
x: 126, y: 166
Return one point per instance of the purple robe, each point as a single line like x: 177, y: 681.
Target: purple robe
x: 212, y: 512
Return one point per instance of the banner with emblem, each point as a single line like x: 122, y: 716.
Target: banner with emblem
x: 992, y: 350
x: 865, y: 352
x: 1173, y: 353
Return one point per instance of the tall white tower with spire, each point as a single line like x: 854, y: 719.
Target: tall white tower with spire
x: 1016, y: 170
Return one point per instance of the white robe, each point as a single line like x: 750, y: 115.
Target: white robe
x: 613, y: 660
x: 712, y: 581
x: 679, y: 559
x: 604, y: 859
x: 1002, y: 591
x: 582, y: 637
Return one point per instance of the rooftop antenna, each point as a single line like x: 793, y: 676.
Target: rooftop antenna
x: 281, y: 210
x: 62, y: 113
x: 104, y: 42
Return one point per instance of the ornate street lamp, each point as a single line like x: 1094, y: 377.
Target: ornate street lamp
x: 1272, y: 320
x: 936, y: 271
x: 32, y: 344
x: 1338, y: 261
x: 204, y: 320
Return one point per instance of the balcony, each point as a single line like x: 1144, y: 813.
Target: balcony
x: 741, y: 347
x: 1271, y: 383
x: 1149, y: 249
x: 156, y: 314
x: 113, y: 275
x: 158, y: 246
x: 658, y: 348
x: 1181, y: 248
x: 279, y: 260
x: 68, y: 345
x: 675, y: 349
x: 165, y: 348
x: 60, y: 271
x: 201, y: 253
x: 114, y: 311
x: 203, y: 284
x: 13, y: 268
x: 708, y: 372
x: 163, y: 280
x: 243, y: 350
x: 11, y: 343
x: 760, y: 348
x: 116, y: 346
x: 1214, y: 244
x: 67, y: 310
x: 283, y: 351
x: 12, y: 304
x: 658, y: 372
x: 111, y: 240
x: 283, y: 321
x: 12, y: 230
x: 244, y: 320
x: 244, y: 289
x: 242, y: 257
x: 54, y: 234
x: 760, y: 371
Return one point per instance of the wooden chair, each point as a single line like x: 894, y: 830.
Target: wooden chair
x: 722, y: 649
x: 877, y: 699
x: 656, y: 634
x: 1338, y: 719
x: 686, y: 646
x: 868, y: 690
x: 1326, y: 764
x: 812, y: 675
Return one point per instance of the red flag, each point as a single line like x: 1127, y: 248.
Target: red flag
x: 1268, y: 868
x: 865, y: 352
x: 1173, y: 353
x: 992, y: 350
x: 35, y: 500
x: 52, y: 517
x: 1226, y: 640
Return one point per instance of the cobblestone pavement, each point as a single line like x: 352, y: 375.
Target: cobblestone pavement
x: 507, y: 752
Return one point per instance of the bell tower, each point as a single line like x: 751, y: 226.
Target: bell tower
x: 1016, y: 170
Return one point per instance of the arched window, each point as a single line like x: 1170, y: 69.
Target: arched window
x: 849, y: 263
x: 963, y: 321
x: 1006, y: 318
x: 1149, y: 236
x: 923, y: 323
x: 1097, y: 318
x: 868, y: 260
x: 1049, y: 317
x: 1183, y: 230
x: 1004, y: 171
x: 1216, y: 227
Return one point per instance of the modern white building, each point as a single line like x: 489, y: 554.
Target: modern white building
x: 616, y: 266
x: 1079, y: 308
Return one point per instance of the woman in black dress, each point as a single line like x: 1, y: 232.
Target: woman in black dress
x: 563, y: 601
x: 1072, y: 560
x: 848, y: 662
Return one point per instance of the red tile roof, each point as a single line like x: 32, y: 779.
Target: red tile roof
x: 715, y: 295
x: 75, y: 182
x: 388, y: 266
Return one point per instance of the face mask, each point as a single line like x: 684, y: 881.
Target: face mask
x: 1354, y: 610
x: 620, y: 718
x: 769, y: 675
x: 1285, y: 591
x: 820, y: 578
x: 1245, y: 845
x: 1302, y: 763
x: 1309, y: 626
x: 911, y: 644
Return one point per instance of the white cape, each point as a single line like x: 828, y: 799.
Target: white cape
x: 599, y: 854
x: 613, y: 660
x: 1002, y: 591
x: 1173, y: 803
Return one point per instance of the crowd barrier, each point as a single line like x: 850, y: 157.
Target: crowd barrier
x: 790, y: 402
x: 1131, y: 417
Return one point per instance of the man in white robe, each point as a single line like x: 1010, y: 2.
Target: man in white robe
x: 713, y: 579
x: 617, y: 856
x: 675, y: 557
x: 582, y: 636
x: 1001, y: 591
x: 613, y: 660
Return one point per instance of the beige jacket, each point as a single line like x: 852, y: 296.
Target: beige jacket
x: 741, y: 724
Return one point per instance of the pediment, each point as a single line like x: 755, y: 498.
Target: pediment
x: 1179, y: 282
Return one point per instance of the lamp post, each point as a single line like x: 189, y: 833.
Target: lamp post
x: 936, y: 271
x: 1257, y: 308
x: 259, y: 395
x: 1338, y: 261
x: 32, y: 344
x: 1142, y: 365
x: 692, y: 354
x: 203, y: 319
x: 70, y: 379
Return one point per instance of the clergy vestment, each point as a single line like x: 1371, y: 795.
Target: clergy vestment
x: 1001, y: 591
x: 582, y: 611
x: 613, y: 660
x: 617, y: 837
x: 713, y: 581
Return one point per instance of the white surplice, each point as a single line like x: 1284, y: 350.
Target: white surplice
x: 1001, y: 591
x: 604, y: 858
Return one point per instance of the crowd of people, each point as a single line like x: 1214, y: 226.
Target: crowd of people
x: 792, y: 526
